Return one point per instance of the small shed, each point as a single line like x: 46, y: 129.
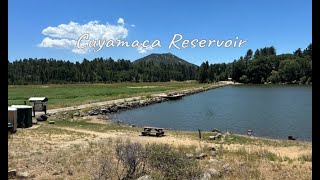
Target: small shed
x: 229, y: 79
x: 24, y: 116
x: 39, y: 104
x: 12, y: 117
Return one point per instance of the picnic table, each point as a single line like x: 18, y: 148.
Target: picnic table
x: 147, y: 131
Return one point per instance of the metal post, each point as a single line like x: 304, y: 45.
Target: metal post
x: 199, y: 133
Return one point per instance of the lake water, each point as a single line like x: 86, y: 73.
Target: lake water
x: 274, y: 111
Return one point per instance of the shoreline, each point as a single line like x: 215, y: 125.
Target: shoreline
x: 120, y: 105
x: 117, y: 105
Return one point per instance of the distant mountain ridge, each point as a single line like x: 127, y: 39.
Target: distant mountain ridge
x: 166, y: 58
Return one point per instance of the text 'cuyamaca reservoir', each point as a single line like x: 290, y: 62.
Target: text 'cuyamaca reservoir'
x: 177, y: 42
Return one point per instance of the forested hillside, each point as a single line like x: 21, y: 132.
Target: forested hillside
x: 42, y: 71
x: 262, y: 66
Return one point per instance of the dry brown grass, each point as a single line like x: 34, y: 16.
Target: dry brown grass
x: 61, y: 151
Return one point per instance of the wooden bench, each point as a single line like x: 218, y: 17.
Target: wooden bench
x: 152, y: 131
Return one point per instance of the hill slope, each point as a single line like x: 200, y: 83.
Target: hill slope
x: 166, y: 58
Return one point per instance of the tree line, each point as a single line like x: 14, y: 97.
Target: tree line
x: 43, y: 71
x: 262, y: 66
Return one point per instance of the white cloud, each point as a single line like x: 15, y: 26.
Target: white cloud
x: 57, y: 43
x: 81, y: 51
x: 132, y: 25
x: 120, y: 21
x: 66, y: 35
x: 143, y: 50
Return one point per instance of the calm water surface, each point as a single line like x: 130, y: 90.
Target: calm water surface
x: 273, y: 111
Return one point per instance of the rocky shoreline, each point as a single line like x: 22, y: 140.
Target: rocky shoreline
x: 136, y: 103
x: 114, y: 108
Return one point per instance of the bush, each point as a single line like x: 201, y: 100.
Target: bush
x: 303, y: 80
x: 243, y: 79
x: 171, y: 164
x: 106, y: 168
x: 274, y: 77
x: 132, y: 157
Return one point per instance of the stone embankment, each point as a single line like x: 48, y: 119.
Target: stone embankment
x: 117, y: 105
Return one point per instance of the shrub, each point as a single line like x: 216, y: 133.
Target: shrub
x: 305, y: 157
x: 243, y: 79
x: 132, y: 157
x: 170, y: 163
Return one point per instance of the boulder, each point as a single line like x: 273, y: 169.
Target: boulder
x: 201, y: 156
x: 218, y: 135
x: 227, y: 167
x: 42, y: 117
x: 212, y: 148
x: 51, y: 122
x: 22, y: 175
x: 76, y: 114
x: 214, y: 172
x: 34, y: 121
x: 189, y: 155
x: 12, y: 173
x: 205, y: 176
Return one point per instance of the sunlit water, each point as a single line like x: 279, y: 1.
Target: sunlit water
x: 274, y: 111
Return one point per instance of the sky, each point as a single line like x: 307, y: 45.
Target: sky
x: 52, y: 28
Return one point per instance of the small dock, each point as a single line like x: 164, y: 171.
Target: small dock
x: 171, y: 96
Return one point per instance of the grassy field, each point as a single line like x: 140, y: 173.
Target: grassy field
x: 76, y: 94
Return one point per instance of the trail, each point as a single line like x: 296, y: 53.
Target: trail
x: 117, y: 101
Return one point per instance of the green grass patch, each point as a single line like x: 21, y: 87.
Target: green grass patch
x: 250, y: 156
x: 305, y: 157
x: 65, y: 95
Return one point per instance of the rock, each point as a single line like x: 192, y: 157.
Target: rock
x: 51, y: 122
x: 212, y: 137
x: 55, y: 173
x: 206, y: 176
x: 227, y: 167
x: 22, y: 175
x: 214, y: 172
x: 42, y: 117
x: 34, y: 121
x: 213, y: 153
x: 189, y: 155
x: 227, y: 133
x: 212, y: 148
x: 65, y: 113
x: 76, y: 114
x: 70, y: 172
x: 216, y: 130
x: 12, y: 173
x: 145, y: 177
x: 201, y: 156
x: 218, y: 135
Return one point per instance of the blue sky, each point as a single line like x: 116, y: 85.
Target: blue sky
x: 285, y: 24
